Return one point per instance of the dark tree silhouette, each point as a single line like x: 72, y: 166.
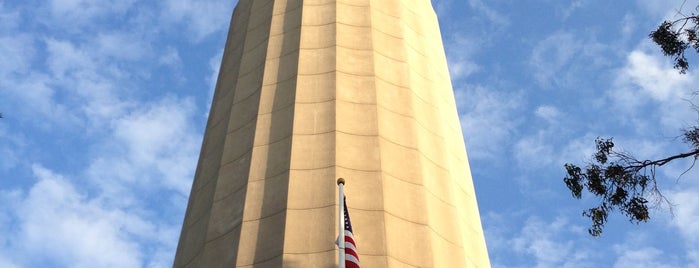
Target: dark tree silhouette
x: 675, y: 37
x: 619, y: 180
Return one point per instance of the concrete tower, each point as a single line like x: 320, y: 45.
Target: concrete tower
x: 313, y: 90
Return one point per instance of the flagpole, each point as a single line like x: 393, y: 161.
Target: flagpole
x: 341, y: 219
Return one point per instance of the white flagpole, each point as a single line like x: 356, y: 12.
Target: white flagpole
x: 341, y: 218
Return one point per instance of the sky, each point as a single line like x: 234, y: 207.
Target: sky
x: 104, y: 103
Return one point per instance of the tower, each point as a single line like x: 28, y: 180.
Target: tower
x: 313, y: 90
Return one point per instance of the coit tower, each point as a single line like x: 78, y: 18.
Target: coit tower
x: 313, y: 90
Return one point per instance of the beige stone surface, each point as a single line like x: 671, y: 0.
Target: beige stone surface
x: 309, y: 91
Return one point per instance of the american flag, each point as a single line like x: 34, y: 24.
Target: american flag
x: 351, y: 256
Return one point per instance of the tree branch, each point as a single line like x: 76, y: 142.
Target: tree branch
x: 661, y: 162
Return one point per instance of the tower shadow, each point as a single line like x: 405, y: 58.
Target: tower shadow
x: 270, y: 235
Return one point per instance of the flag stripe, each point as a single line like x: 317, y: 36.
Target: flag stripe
x: 350, y: 246
x: 351, y: 254
x: 351, y: 262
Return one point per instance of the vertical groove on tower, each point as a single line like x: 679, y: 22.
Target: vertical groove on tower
x: 264, y: 217
x: 195, y: 227
x: 358, y: 152
x: 228, y: 211
x: 310, y: 208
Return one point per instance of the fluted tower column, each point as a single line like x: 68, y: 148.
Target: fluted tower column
x: 313, y: 90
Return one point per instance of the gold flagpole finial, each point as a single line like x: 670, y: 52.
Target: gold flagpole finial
x: 340, y: 181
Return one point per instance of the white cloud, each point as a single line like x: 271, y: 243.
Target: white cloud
x: 641, y: 257
x: 65, y: 57
x: 152, y: 148
x: 136, y: 150
x: 551, y: 55
x: 551, y: 143
x: 559, y: 59
x: 567, y: 11
x: 10, y: 150
x: 654, y: 76
x: 652, y: 95
x: 161, y: 136
x: 89, y: 83
x: 628, y: 26
x: 694, y: 258
x: 200, y: 17
x: 62, y: 226
x: 96, y: 78
x: 547, y: 112
x: 79, y: 12
x: 4, y: 262
x: 686, y: 214
x: 491, y: 14
x: 538, y: 243
x: 488, y: 118
x: 114, y: 195
x: 8, y: 19
x: 171, y: 57
x: 18, y: 52
x: 57, y: 224
x: 665, y: 8
x: 32, y: 98
x: 536, y: 151
x: 150, y: 132
x: 120, y: 45
x: 459, y: 51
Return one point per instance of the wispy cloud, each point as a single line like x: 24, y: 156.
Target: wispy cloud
x: 667, y: 9
x: 636, y: 251
x: 59, y: 226
x: 75, y: 14
x: 171, y: 58
x: 685, y: 198
x: 654, y: 76
x: 571, y: 7
x: 493, y: 16
x: 152, y: 152
x: 558, y: 59
x: 647, y: 89
x: 687, y: 213
x: 538, y: 243
x: 552, y: 138
x: 17, y: 51
x: 459, y: 50
x: 159, y: 137
x: 548, y: 112
x: 200, y: 18
x: 488, y: 118
x: 124, y: 148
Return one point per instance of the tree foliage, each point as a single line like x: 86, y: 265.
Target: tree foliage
x: 619, y: 180
x: 675, y: 37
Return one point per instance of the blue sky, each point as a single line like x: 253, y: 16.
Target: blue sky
x: 105, y: 104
